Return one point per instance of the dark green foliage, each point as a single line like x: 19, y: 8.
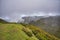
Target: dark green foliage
x: 23, y: 24
x: 3, y: 21
x: 27, y: 32
x: 35, y: 32
x: 39, y: 37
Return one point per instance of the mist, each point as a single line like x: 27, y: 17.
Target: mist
x: 13, y: 10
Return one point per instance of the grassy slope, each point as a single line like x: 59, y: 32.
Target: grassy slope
x: 41, y: 33
x: 3, y: 21
x: 15, y: 32
x: 48, y: 26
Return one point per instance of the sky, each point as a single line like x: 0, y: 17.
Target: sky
x: 13, y: 10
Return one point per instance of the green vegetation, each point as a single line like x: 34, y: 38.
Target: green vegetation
x: 49, y: 24
x: 41, y: 34
x: 23, y: 32
x: 3, y: 21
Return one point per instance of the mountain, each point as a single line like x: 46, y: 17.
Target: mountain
x: 3, y: 21
x: 50, y: 24
x: 23, y: 32
x: 28, y: 19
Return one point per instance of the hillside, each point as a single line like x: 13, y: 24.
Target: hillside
x: 49, y: 24
x: 3, y: 21
x: 28, y: 19
x: 23, y: 32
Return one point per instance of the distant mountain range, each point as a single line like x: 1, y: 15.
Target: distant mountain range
x: 50, y: 24
x: 28, y: 19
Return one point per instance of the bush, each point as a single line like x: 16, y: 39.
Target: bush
x: 34, y: 32
x: 27, y: 32
x: 38, y: 36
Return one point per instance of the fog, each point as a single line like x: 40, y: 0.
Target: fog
x: 13, y: 10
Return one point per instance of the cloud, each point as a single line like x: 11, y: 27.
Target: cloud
x: 18, y: 17
x: 9, y: 6
x: 15, y: 9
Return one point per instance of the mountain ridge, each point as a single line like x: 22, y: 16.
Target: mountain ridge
x: 23, y: 32
x: 49, y: 24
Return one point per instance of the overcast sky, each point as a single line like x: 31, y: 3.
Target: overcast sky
x: 13, y: 10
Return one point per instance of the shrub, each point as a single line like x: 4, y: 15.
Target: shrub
x: 27, y: 32
x: 34, y: 32
x: 38, y: 37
